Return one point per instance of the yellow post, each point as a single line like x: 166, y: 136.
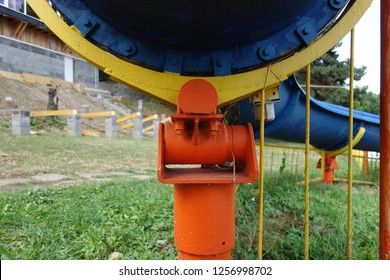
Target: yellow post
x: 261, y: 175
x: 350, y: 143
x: 307, y: 163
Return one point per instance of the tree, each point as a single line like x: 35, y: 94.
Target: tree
x: 329, y: 71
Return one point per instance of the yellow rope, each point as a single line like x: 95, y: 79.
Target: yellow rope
x: 307, y: 162
x: 261, y: 175
x: 350, y: 140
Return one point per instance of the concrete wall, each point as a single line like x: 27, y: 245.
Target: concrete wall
x: 18, y: 57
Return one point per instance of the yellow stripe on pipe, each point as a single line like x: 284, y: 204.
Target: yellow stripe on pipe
x: 355, y: 140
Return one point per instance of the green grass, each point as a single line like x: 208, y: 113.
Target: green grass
x: 284, y: 222
x: 60, y: 153
x: 88, y: 222
x: 91, y: 221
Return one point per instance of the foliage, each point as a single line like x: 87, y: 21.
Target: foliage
x: 328, y: 70
x: 42, y: 122
x: 5, y: 123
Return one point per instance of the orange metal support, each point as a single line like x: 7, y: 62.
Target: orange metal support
x: 204, y: 221
x: 384, y: 217
x: 330, y: 166
x: 365, y: 163
x: 212, y: 158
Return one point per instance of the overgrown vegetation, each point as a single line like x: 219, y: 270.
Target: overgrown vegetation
x: 5, y: 123
x: 91, y: 221
x: 284, y: 222
x: 45, y: 122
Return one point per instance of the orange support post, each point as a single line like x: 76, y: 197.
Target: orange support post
x: 330, y: 166
x: 384, y: 217
x: 213, y: 157
x: 365, y: 163
x: 204, y: 221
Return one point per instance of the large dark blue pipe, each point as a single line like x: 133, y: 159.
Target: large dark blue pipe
x: 329, y: 123
x: 202, y: 37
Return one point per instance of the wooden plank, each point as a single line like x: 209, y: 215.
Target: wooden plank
x: 147, y: 119
x: 53, y: 113
x: 98, y: 114
x: 128, y: 125
x: 150, y: 127
x: 150, y: 118
x: 166, y: 120
x: 128, y: 117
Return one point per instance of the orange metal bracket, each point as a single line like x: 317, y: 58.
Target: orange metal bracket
x: 212, y: 157
x: 330, y: 166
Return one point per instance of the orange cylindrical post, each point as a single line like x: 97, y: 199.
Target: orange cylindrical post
x: 204, y: 221
x: 213, y: 158
x: 384, y: 217
x: 365, y: 163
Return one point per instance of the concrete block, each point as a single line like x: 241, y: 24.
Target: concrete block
x: 128, y: 112
x: 74, y: 125
x: 84, y: 109
x: 141, y: 107
x: 20, y: 122
x: 137, y: 128
x: 111, y: 127
x: 156, y: 124
x: 100, y: 99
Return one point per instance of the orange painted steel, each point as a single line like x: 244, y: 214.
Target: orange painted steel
x: 330, y: 166
x: 204, y: 220
x: 384, y: 217
x: 213, y: 157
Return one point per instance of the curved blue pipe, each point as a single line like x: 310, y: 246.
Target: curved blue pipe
x: 329, y: 123
x: 202, y: 37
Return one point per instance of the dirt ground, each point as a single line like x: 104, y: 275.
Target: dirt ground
x: 34, y: 97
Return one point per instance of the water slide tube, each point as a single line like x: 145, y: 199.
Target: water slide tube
x: 157, y: 46
x: 238, y: 46
x: 329, y: 123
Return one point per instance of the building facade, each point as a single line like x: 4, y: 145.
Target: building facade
x: 27, y: 45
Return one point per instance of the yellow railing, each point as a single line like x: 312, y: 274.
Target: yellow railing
x: 349, y: 149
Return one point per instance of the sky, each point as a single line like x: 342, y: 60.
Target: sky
x: 367, y: 47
